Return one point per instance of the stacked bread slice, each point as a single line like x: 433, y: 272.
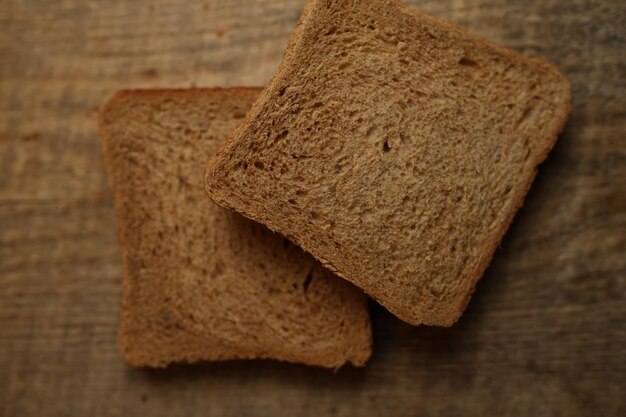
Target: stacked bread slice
x: 202, y: 283
x: 393, y: 147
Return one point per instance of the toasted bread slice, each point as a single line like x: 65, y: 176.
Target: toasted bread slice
x: 394, y: 147
x: 202, y: 283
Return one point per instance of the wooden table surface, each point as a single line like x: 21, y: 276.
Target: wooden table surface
x: 545, y: 334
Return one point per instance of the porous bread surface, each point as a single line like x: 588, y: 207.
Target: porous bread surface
x: 201, y: 282
x: 394, y: 147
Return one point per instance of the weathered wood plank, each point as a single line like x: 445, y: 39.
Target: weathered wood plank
x: 543, y: 336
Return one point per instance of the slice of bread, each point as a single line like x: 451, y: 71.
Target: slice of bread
x: 202, y: 283
x: 394, y: 147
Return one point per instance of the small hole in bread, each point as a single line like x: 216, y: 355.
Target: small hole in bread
x: 386, y: 147
x: 282, y: 135
x: 467, y: 62
x: 259, y: 165
x: 528, y: 112
x: 307, y: 281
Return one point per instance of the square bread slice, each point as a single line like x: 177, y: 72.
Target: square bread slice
x: 202, y: 283
x: 394, y: 147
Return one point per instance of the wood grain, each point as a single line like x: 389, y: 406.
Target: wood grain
x: 543, y: 336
